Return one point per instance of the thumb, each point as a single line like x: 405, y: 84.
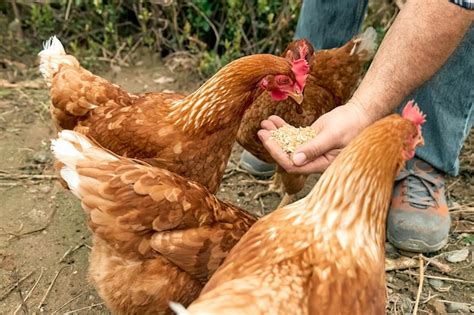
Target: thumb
x: 319, y: 145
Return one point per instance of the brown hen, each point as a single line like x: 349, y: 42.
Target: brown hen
x: 323, y: 254
x: 191, y: 136
x: 157, y: 237
x: 333, y: 76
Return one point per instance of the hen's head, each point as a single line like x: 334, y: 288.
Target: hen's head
x: 280, y: 86
x: 413, y: 113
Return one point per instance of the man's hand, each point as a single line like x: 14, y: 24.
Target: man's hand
x: 334, y: 131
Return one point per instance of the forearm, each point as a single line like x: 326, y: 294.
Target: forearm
x: 423, y: 36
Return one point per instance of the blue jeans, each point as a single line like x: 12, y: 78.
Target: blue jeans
x: 447, y: 98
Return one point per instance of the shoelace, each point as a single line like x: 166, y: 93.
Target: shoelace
x: 421, y: 188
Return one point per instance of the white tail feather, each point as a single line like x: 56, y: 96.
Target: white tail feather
x: 366, y: 43
x: 72, y: 179
x: 71, y: 147
x: 52, y: 47
x: 178, y: 308
x: 66, y: 152
x: 51, y: 57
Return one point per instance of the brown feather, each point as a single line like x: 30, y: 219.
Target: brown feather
x: 158, y: 237
x: 191, y: 136
x: 323, y: 254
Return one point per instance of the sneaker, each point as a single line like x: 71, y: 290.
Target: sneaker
x: 255, y: 166
x: 418, y: 219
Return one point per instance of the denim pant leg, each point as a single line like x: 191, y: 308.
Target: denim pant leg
x: 330, y: 23
x: 447, y: 99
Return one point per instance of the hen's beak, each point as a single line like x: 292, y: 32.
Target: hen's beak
x: 297, y: 96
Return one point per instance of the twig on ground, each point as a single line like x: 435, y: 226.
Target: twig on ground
x: 27, y: 176
x: 71, y: 300
x: 262, y: 207
x: 439, y: 278
x: 70, y: 250
x: 14, y: 285
x: 453, y: 183
x: 468, y: 209
x: 437, y: 264
x: 29, y: 293
x: 420, y: 285
x: 448, y: 301
x: 51, y: 286
x: 18, y: 234
x: 407, y: 263
x: 463, y: 231
x: 84, y: 308
x: 22, y: 84
x: 400, y: 263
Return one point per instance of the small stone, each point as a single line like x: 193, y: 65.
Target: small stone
x: 456, y: 307
x: 458, y: 255
x: 435, y: 283
x: 471, y: 309
x: 45, y: 189
x: 164, y: 80
x: 40, y: 157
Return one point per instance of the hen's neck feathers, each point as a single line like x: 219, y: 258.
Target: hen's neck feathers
x: 222, y: 100
x: 351, y: 199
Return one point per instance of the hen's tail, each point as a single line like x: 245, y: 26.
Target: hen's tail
x: 366, y: 44
x: 51, y: 57
x: 72, y: 149
x: 179, y: 309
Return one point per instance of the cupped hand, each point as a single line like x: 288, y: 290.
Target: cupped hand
x: 334, y: 130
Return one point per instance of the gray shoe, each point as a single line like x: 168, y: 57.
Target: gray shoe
x: 418, y: 219
x: 255, y: 166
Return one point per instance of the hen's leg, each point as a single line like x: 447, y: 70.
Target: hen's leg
x: 275, y: 186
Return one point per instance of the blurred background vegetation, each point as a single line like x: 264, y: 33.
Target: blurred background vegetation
x: 204, y: 33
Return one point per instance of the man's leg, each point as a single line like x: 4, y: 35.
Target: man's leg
x: 329, y: 24
x: 419, y: 219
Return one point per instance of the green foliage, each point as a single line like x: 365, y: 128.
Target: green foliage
x: 216, y: 31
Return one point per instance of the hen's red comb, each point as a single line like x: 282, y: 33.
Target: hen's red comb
x: 301, y: 67
x: 413, y: 113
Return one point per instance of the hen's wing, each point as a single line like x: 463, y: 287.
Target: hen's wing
x: 274, y: 238
x: 133, y: 131
x: 142, y: 210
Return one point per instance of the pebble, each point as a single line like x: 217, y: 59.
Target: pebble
x: 389, y: 278
x: 40, y: 157
x: 458, y: 255
x: 435, y: 283
x: 455, y: 307
x: 45, y: 189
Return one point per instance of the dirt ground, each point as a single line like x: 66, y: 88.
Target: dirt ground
x: 44, y: 242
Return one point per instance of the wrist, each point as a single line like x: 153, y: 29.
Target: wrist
x: 362, y: 111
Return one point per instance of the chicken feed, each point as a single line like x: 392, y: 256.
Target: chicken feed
x: 289, y: 137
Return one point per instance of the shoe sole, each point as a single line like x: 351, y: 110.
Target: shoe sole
x: 416, y: 246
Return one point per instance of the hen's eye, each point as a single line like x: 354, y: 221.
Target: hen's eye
x: 283, y: 81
